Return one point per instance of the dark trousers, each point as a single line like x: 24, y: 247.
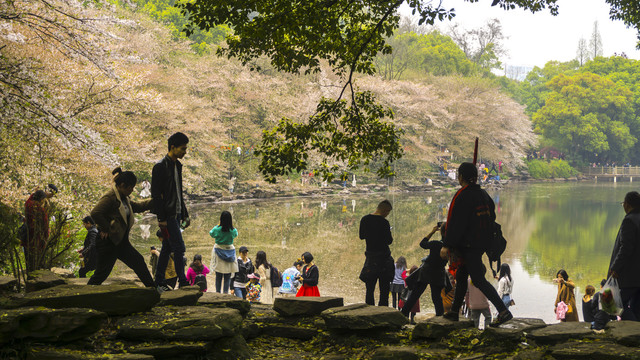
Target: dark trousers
x: 88, y: 266
x: 108, y: 253
x: 384, y: 290
x: 472, y: 266
x: 174, y: 245
x: 417, y: 291
x: 223, y: 282
x: 631, y: 303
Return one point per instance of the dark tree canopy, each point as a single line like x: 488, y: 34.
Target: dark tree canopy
x: 297, y: 35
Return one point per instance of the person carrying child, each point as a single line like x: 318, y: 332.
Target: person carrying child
x: 197, y: 273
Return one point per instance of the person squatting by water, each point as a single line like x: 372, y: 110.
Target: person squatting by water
x: 223, y: 254
x: 114, y: 215
x: 625, y: 257
x: 378, y: 265
x: 431, y: 273
x: 170, y: 209
x: 469, y: 229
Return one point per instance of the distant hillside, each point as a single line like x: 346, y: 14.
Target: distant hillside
x: 222, y: 105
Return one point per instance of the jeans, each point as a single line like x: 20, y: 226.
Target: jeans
x: 240, y: 292
x: 227, y: 282
x: 472, y: 267
x: 631, y: 303
x: 506, y: 299
x: 384, y: 291
x: 174, y: 244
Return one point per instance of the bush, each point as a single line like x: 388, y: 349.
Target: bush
x: 541, y: 169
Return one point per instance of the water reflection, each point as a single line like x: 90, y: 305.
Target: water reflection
x: 548, y: 226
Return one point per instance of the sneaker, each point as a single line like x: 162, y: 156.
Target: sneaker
x: 163, y: 288
x: 453, y: 316
x: 502, y: 318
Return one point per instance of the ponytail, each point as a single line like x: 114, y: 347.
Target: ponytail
x: 127, y: 178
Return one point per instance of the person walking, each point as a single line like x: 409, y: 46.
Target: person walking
x: 240, y: 279
x: 114, y: 215
x: 88, y: 250
x: 469, y: 228
x: 431, y: 273
x: 397, y: 285
x: 170, y: 209
x: 566, y: 295
x: 505, y: 285
x: 378, y: 265
x: 309, y: 277
x: 625, y: 257
x: 223, y: 254
x: 264, y: 272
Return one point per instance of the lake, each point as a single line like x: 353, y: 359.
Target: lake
x: 548, y: 226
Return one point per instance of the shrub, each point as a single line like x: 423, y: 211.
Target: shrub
x: 556, y: 168
x: 539, y: 169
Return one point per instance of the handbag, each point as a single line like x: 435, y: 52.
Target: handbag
x: 511, y: 303
x: 404, y: 295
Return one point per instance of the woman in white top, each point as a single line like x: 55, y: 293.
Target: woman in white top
x: 263, y: 268
x: 505, y: 284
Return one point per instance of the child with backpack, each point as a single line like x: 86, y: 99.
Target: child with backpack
x: 290, y: 283
x: 309, y: 277
x: 197, y: 273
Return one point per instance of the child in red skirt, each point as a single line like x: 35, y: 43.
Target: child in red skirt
x: 308, y: 277
x: 416, y: 308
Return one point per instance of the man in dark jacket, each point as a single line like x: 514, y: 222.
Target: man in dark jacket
x: 469, y: 230
x: 625, y: 258
x: 378, y: 264
x: 169, y: 207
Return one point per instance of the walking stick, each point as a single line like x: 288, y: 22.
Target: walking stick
x: 475, y: 152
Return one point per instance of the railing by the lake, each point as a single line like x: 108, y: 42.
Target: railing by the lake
x: 611, y: 171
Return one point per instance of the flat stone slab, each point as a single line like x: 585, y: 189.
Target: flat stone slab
x: 363, y: 317
x: 42, y: 324
x: 561, y: 332
x: 8, y: 284
x: 186, y: 296
x: 438, y: 327
x: 217, y: 300
x: 172, y: 350
x: 43, y: 279
x: 395, y: 353
x: 187, y: 323
x: 72, y: 354
x: 514, y: 329
x: 305, y: 305
x: 625, y: 332
x: 111, y: 299
x: 597, y: 350
x: 290, y: 332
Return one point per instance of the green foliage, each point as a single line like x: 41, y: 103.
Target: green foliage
x: 336, y: 133
x: 556, y: 168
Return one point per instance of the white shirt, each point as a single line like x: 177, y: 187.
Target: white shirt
x: 505, y: 286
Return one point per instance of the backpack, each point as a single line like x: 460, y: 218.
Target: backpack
x: 287, y: 283
x: 276, y: 277
x: 497, y: 246
x: 201, y: 281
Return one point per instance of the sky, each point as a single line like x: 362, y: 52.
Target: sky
x: 535, y: 39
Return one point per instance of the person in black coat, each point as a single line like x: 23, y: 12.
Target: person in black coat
x: 240, y: 279
x: 431, y: 273
x: 625, y: 257
x: 88, y: 251
x: 378, y: 265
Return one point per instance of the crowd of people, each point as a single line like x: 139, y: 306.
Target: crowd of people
x: 462, y: 285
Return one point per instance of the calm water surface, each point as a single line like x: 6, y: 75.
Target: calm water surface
x: 548, y: 227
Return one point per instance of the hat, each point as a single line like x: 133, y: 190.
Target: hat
x: 253, y: 276
x: 243, y: 249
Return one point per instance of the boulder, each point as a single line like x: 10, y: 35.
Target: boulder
x: 42, y: 324
x: 217, y: 300
x: 625, y: 332
x: 175, y: 323
x: 233, y: 348
x: 438, y: 327
x: 305, y: 305
x: 43, y: 279
x: 290, y: 332
x: 395, y: 353
x: 597, y: 350
x: 164, y: 350
x: 513, y: 330
x: 561, y: 332
x: 62, y: 272
x: 111, y: 299
x: 8, y: 284
x: 73, y: 354
x: 363, y: 317
x: 184, y: 296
